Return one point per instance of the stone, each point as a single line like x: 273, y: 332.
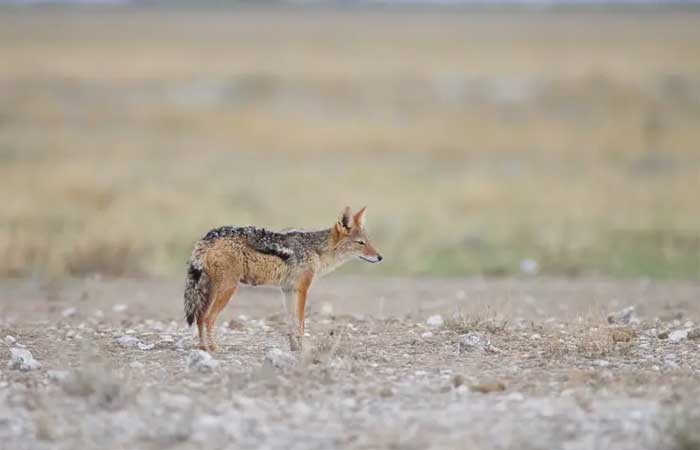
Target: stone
x: 678, y: 335
x: 624, y: 317
x: 694, y: 334
x: 473, y: 341
x: 22, y: 359
x: 279, y: 359
x: 529, y: 267
x: 69, y: 312
x: 435, y: 321
x: 119, y: 307
x: 201, y: 361
x: 145, y: 347
x: 128, y: 341
x: 57, y: 375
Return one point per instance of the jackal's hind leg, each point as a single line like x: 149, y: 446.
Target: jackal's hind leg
x: 200, y: 329
x: 221, y: 298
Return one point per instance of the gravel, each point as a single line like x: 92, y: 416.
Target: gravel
x: 552, y: 377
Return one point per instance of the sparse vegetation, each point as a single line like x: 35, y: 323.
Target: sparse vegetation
x: 130, y: 377
x: 488, y: 320
x: 477, y: 141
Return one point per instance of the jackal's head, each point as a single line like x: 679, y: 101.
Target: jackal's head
x: 351, y: 238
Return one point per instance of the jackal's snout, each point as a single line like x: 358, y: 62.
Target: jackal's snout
x: 372, y: 259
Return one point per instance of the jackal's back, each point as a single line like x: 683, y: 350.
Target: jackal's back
x: 259, y: 239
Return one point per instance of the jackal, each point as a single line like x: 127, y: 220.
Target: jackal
x: 228, y: 256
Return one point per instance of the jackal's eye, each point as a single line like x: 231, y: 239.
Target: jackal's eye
x: 360, y: 242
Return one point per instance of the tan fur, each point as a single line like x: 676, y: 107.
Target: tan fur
x: 228, y: 256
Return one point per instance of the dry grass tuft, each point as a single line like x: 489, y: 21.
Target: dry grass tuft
x: 591, y: 340
x: 489, y: 321
x: 115, y: 259
x: 330, y: 345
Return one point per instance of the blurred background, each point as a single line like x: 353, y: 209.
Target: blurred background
x: 486, y: 139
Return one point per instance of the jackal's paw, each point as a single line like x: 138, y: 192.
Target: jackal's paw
x: 205, y: 347
x: 294, y: 342
x: 214, y: 348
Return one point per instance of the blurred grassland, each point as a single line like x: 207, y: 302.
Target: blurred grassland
x: 476, y: 140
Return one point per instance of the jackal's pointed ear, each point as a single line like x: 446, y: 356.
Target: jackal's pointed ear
x: 343, y: 224
x: 359, y: 218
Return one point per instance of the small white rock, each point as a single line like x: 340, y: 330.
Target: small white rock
x: 22, y: 359
x: 427, y: 334
x: 120, y: 307
x: 435, y: 321
x: 529, y: 267
x: 671, y: 365
x: 69, y: 312
x: 145, y: 347
x: 57, y: 375
x: 624, y: 316
x: 136, y: 365
x: 473, y: 341
x: 349, y: 402
x: 201, y: 361
x: 10, y: 340
x: 327, y: 309
x: 279, y: 358
x: 128, y: 341
x: 515, y: 397
x: 678, y: 335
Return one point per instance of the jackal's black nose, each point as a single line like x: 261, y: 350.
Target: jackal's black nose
x: 379, y: 257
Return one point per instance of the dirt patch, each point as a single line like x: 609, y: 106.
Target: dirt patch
x: 387, y: 363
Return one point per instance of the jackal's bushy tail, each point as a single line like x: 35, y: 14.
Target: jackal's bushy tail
x: 196, y: 284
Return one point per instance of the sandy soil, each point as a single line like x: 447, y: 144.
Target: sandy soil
x: 387, y: 363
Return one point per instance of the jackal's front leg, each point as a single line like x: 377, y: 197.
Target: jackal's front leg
x: 302, y: 292
x: 289, y: 295
x: 298, y: 292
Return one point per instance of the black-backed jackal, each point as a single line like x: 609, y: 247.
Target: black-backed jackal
x: 228, y: 256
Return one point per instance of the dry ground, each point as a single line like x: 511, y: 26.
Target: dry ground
x: 480, y: 139
x: 378, y: 370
